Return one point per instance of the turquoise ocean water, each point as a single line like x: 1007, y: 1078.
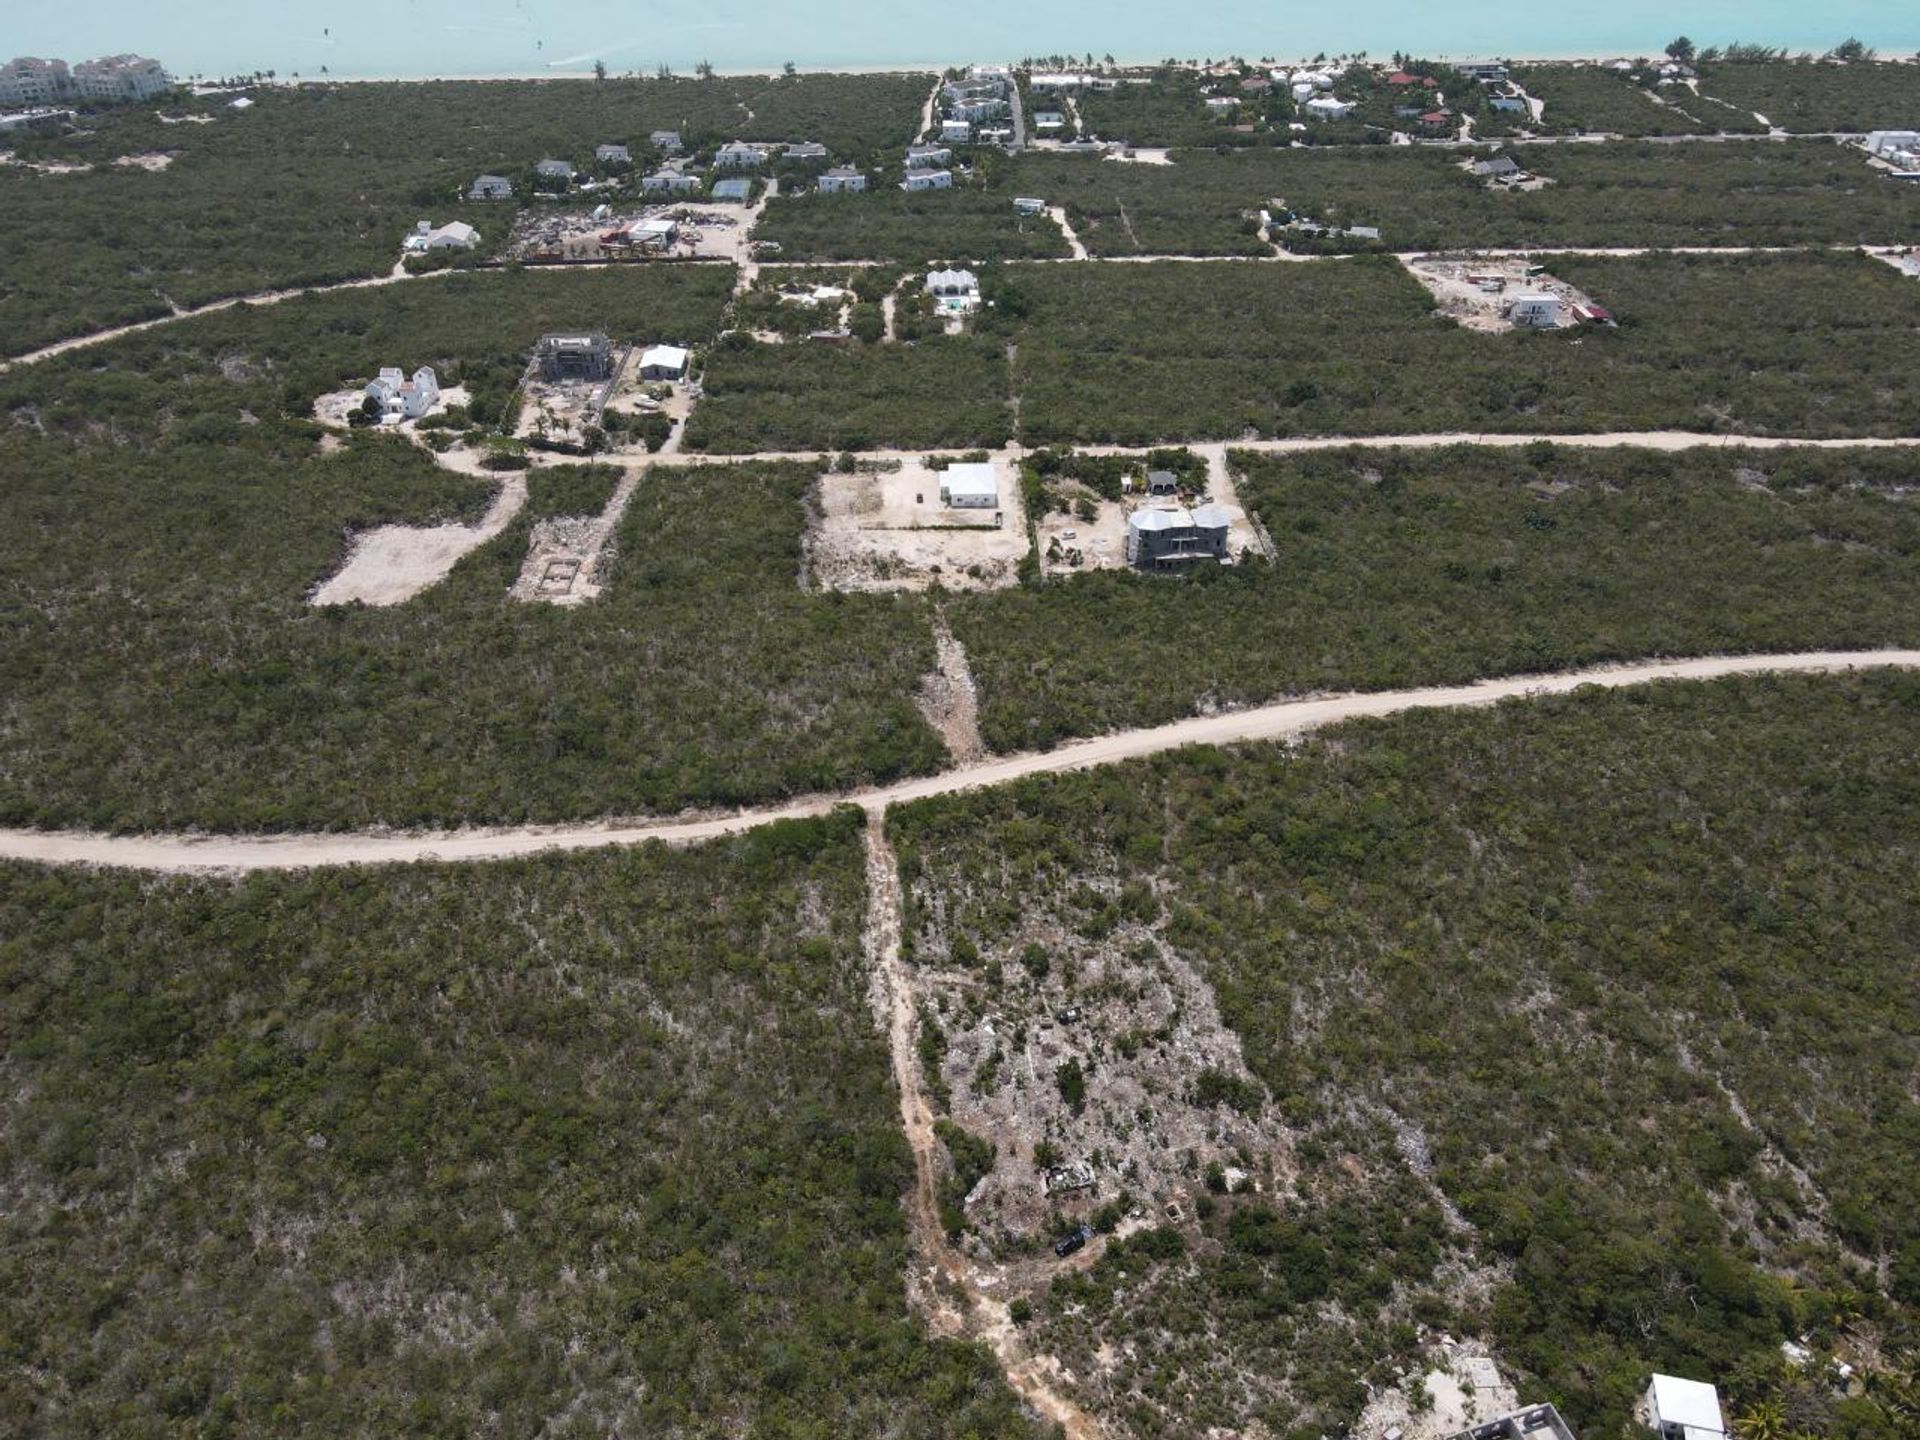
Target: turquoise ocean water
x: 548, y: 37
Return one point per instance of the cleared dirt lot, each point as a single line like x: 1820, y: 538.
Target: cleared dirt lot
x: 1070, y: 543
x: 888, y: 530
x: 1476, y: 289
x: 391, y: 564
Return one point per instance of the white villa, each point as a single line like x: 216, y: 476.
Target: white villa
x: 928, y: 180
x: 401, y: 398
x: 842, y: 179
x: 1326, y: 107
x: 737, y: 155
x: 673, y: 182
x: 957, y: 292
x: 454, y: 235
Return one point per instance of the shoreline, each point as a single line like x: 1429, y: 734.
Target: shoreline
x: 929, y: 67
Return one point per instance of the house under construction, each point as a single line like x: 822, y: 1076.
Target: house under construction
x: 575, y: 356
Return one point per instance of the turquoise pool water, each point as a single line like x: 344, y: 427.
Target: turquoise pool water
x: 549, y: 37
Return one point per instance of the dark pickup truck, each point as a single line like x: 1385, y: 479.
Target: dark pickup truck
x: 1072, y: 1240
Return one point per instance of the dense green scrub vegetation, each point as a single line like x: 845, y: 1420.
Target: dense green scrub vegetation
x: 219, y: 378
x: 584, y: 1146
x: 911, y: 229
x: 1169, y: 109
x: 944, y: 391
x: 169, y: 516
x: 1623, y: 980
x: 1818, y: 95
x: 304, y: 189
x: 1812, y: 192
x: 166, y: 671
x: 1139, y: 354
x: 1590, y: 99
x: 1403, y: 567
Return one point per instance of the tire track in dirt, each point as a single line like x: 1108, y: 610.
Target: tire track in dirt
x: 940, y: 1282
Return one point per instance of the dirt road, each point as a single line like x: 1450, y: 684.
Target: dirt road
x: 185, y: 853
x: 940, y: 1282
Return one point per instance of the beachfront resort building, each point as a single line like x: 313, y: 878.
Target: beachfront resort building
x: 29, y: 80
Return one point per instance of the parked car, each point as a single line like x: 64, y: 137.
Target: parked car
x: 1072, y: 1240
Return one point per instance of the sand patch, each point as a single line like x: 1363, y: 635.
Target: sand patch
x: 155, y: 160
x: 391, y: 564
x: 887, y: 529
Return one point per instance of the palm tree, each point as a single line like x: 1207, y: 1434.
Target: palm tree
x: 1764, y: 1420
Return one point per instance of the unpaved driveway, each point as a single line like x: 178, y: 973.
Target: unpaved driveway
x: 1266, y: 722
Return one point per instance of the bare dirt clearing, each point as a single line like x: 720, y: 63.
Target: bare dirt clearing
x: 1477, y: 290
x: 155, y: 160
x: 947, y: 697
x: 886, y: 528
x: 568, y: 556
x: 393, y: 563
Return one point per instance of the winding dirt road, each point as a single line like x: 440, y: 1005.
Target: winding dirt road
x: 239, y: 853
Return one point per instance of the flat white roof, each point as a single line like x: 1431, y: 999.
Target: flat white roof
x: 971, y: 479
x: 671, y: 356
x: 1690, y: 1403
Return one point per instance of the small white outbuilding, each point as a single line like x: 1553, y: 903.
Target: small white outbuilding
x: 970, y: 487
x: 664, y: 362
x: 1684, y: 1409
